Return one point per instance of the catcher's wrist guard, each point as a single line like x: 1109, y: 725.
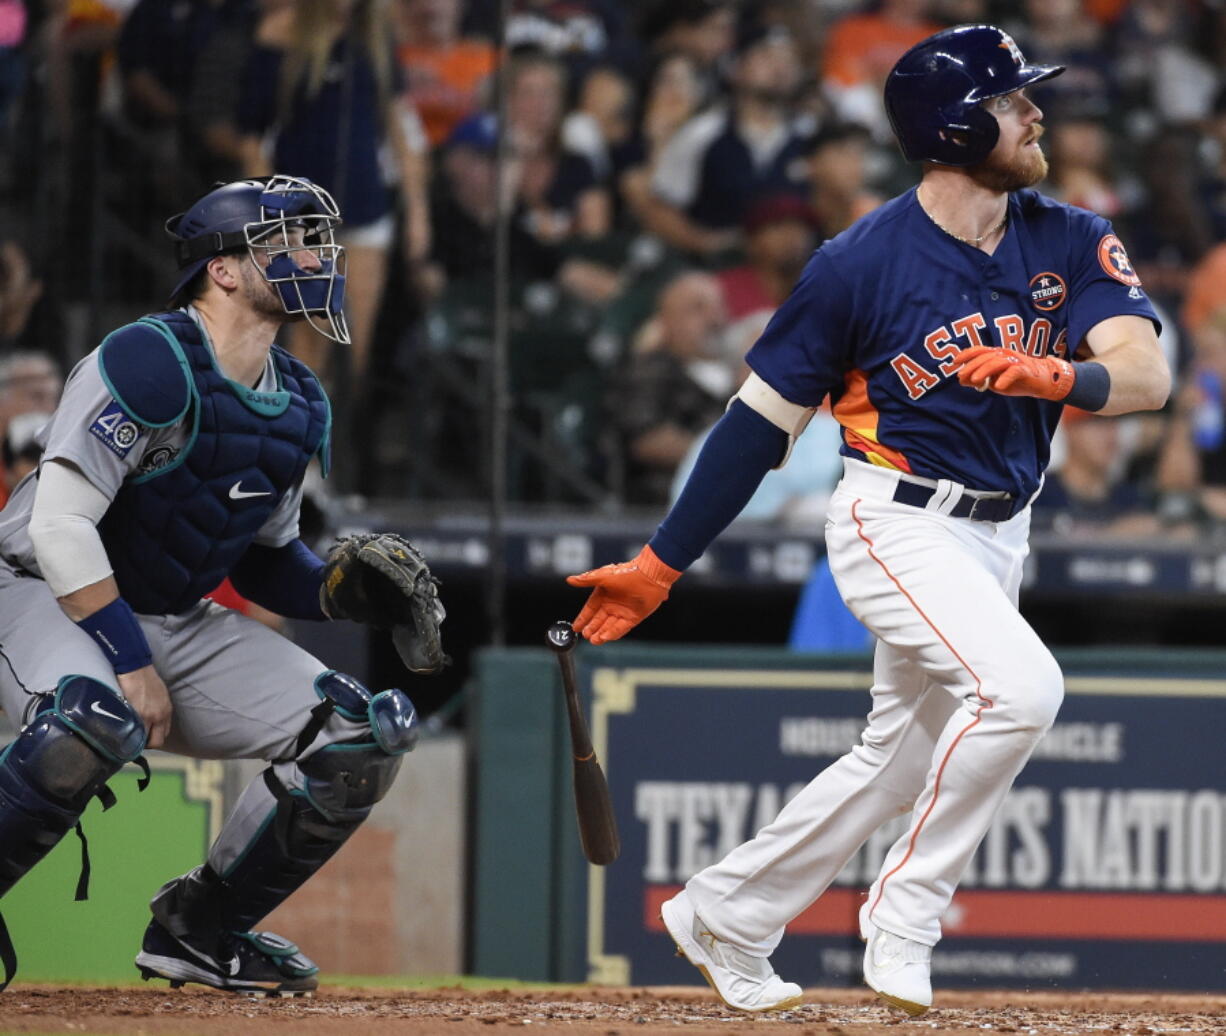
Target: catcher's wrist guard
x: 382, y: 580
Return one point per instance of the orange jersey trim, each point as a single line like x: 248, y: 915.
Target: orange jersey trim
x: 859, y: 418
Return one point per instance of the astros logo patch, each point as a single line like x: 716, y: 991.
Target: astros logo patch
x: 1047, y: 291
x: 1006, y: 43
x: 1114, y: 261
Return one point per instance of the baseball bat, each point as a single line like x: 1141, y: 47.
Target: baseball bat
x: 593, y: 807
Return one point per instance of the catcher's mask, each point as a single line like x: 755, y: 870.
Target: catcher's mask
x: 270, y: 219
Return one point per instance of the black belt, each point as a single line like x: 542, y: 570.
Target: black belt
x: 976, y: 508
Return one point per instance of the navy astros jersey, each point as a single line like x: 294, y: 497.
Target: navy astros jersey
x: 880, y: 310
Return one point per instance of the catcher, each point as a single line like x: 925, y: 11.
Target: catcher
x: 174, y: 459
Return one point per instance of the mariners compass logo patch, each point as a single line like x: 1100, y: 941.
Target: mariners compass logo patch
x: 1047, y: 291
x: 1115, y: 262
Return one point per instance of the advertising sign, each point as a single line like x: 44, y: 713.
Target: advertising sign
x: 1106, y: 867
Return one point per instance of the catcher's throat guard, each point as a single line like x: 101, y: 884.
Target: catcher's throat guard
x: 275, y: 221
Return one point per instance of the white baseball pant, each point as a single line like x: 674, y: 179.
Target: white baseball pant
x: 963, y: 689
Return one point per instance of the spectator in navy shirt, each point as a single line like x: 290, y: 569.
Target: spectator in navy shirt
x: 580, y: 33
x: 321, y: 97
x: 211, y: 108
x: 157, y: 52
x: 158, y: 47
x: 559, y: 195
x: 720, y: 161
x: 1087, y: 492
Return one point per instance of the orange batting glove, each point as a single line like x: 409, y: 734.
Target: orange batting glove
x: 624, y: 595
x: 1014, y: 374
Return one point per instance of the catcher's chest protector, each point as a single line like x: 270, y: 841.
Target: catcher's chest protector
x: 173, y: 534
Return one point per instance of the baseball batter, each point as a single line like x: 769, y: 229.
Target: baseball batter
x: 175, y: 458
x: 948, y: 328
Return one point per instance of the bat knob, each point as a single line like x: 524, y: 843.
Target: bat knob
x: 561, y: 636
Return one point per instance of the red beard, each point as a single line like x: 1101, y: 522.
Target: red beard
x: 1023, y: 170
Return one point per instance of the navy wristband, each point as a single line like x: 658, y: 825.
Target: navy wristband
x: 1091, y: 386
x: 115, y: 630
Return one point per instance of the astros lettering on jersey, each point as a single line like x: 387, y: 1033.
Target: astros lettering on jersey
x: 880, y: 311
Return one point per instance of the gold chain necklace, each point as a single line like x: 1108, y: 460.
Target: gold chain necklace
x: 974, y: 242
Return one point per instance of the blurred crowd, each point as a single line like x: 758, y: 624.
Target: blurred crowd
x: 668, y: 166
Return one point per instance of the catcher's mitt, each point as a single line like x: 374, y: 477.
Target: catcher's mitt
x: 381, y: 580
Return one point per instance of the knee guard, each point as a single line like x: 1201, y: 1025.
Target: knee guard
x: 341, y: 783
x: 76, y: 742
x: 63, y: 758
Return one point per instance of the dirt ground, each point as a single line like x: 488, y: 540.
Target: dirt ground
x: 609, y: 1012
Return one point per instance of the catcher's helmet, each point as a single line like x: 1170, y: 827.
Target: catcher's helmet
x: 257, y: 216
x: 933, y: 93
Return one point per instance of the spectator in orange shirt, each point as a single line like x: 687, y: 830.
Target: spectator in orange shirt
x: 860, y: 52
x: 1206, y: 292
x: 1206, y: 286
x: 445, y: 74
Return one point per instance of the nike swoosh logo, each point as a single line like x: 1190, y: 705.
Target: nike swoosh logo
x: 228, y: 968
x: 95, y: 707
x: 237, y: 492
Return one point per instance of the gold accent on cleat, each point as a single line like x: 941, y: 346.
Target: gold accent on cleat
x: 911, y: 1008
x: 783, y: 1005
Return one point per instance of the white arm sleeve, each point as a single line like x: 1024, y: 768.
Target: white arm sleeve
x: 63, y: 529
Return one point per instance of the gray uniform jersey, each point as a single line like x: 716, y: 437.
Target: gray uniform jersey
x: 88, y: 432
x: 238, y: 688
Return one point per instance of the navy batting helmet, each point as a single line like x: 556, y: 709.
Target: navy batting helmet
x: 256, y: 216
x: 933, y: 93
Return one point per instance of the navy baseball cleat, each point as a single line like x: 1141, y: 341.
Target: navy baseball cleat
x: 242, y: 962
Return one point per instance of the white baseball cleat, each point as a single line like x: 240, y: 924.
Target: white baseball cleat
x: 741, y: 980
x: 899, y: 970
